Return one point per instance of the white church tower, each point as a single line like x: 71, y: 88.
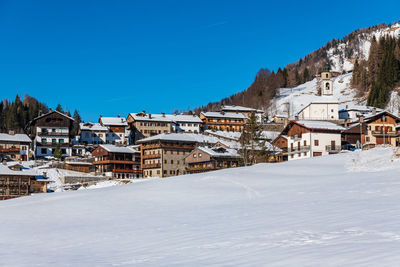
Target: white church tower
x: 326, y: 81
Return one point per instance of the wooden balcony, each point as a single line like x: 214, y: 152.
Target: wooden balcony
x: 151, y: 166
x: 112, y: 161
x: 151, y: 156
x: 126, y: 171
x: 168, y: 146
x: 52, y: 134
x: 9, y: 150
x: 386, y: 134
x: 52, y: 144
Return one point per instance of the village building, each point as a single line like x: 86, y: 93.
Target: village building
x: 14, y: 147
x: 375, y: 129
x: 354, y: 112
x: 79, y: 166
x: 16, y: 181
x: 49, y: 131
x: 163, y: 155
x: 223, y: 121
x: 308, y: 139
x: 145, y: 125
x: 245, y: 111
x: 117, y: 162
x: 118, y: 132
x: 323, y: 110
x: 93, y: 133
x: 282, y: 143
x: 203, y: 159
x: 326, y: 81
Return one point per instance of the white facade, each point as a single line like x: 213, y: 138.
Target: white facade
x: 246, y: 111
x: 326, y: 84
x: 313, y: 144
x: 320, y: 111
x: 51, y: 137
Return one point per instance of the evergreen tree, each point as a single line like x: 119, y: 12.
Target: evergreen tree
x: 59, y: 108
x: 77, y: 121
x: 250, y: 140
x: 57, y: 152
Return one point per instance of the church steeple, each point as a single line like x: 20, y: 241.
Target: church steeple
x: 326, y: 81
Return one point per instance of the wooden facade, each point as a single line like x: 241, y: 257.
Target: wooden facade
x: 200, y: 160
x: 280, y: 142
x: 116, y: 164
x: 18, y: 184
x: 222, y: 122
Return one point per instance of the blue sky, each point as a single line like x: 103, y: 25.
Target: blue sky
x: 116, y: 57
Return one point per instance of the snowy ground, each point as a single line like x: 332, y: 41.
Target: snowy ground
x: 329, y: 211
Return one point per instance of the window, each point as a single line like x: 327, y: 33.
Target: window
x: 200, y: 155
x: 305, y: 153
x: 54, y: 141
x: 327, y: 86
x: 331, y: 110
x: 63, y: 151
x: 316, y: 142
x: 195, y: 155
x: 172, y: 161
x: 44, y: 140
x: 327, y: 75
x: 61, y: 141
x: 305, y: 142
x: 292, y: 156
x: 367, y: 139
x: 165, y: 161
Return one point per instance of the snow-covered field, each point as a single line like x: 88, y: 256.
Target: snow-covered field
x: 336, y: 210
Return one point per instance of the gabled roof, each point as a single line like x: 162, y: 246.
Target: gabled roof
x: 113, y: 121
x: 5, y: 170
x: 234, y: 108
x: 220, y: 152
x: 314, y: 125
x: 15, y: 138
x: 118, y: 149
x: 166, y: 117
x: 378, y: 115
x: 88, y: 126
x: 224, y: 115
x: 50, y: 112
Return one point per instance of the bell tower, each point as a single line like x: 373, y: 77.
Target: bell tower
x: 326, y: 81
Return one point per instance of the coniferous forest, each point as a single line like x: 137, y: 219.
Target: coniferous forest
x: 15, y: 115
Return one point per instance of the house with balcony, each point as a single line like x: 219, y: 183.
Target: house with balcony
x: 117, y: 162
x: 308, y: 139
x: 14, y: 147
x: 92, y: 133
x: 374, y: 129
x: 164, y: 155
x: 17, y: 181
x: 49, y: 131
x: 246, y: 111
x: 203, y: 159
x: 223, y: 121
x: 282, y: 143
x: 117, y: 129
x: 144, y: 125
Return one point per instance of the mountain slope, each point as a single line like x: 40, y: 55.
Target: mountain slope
x: 343, y: 212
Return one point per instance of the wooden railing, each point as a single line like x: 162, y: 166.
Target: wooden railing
x: 151, y: 156
x: 151, y: 166
x: 8, y: 150
x: 127, y: 170
x: 111, y: 161
x: 388, y: 134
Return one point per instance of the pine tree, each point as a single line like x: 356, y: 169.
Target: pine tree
x: 59, y: 108
x: 77, y: 121
x: 57, y: 152
x: 250, y: 140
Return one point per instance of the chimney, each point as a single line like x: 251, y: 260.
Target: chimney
x: 149, y: 116
x: 163, y: 115
x: 4, y: 162
x: 361, y: 119
x: 119, y: 116
x: 45, y: 174
x: 374, y: 111
x: 11, y: 132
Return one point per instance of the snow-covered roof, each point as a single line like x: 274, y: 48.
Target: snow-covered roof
x: 53, y: 111
x: 92, y: 127
x: 14, y: 137
x: 108, y: 121
x: 182, y: 137
x: 5, y: 170
x: 119, y: 149
x: 241, y: 109
x: 225, y: 134
x: 224, y: 115
x: 166, y: 117
x: 321, y: 125
x: 78, y: 163
x: 220, y: 152
x: 270, y: 134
